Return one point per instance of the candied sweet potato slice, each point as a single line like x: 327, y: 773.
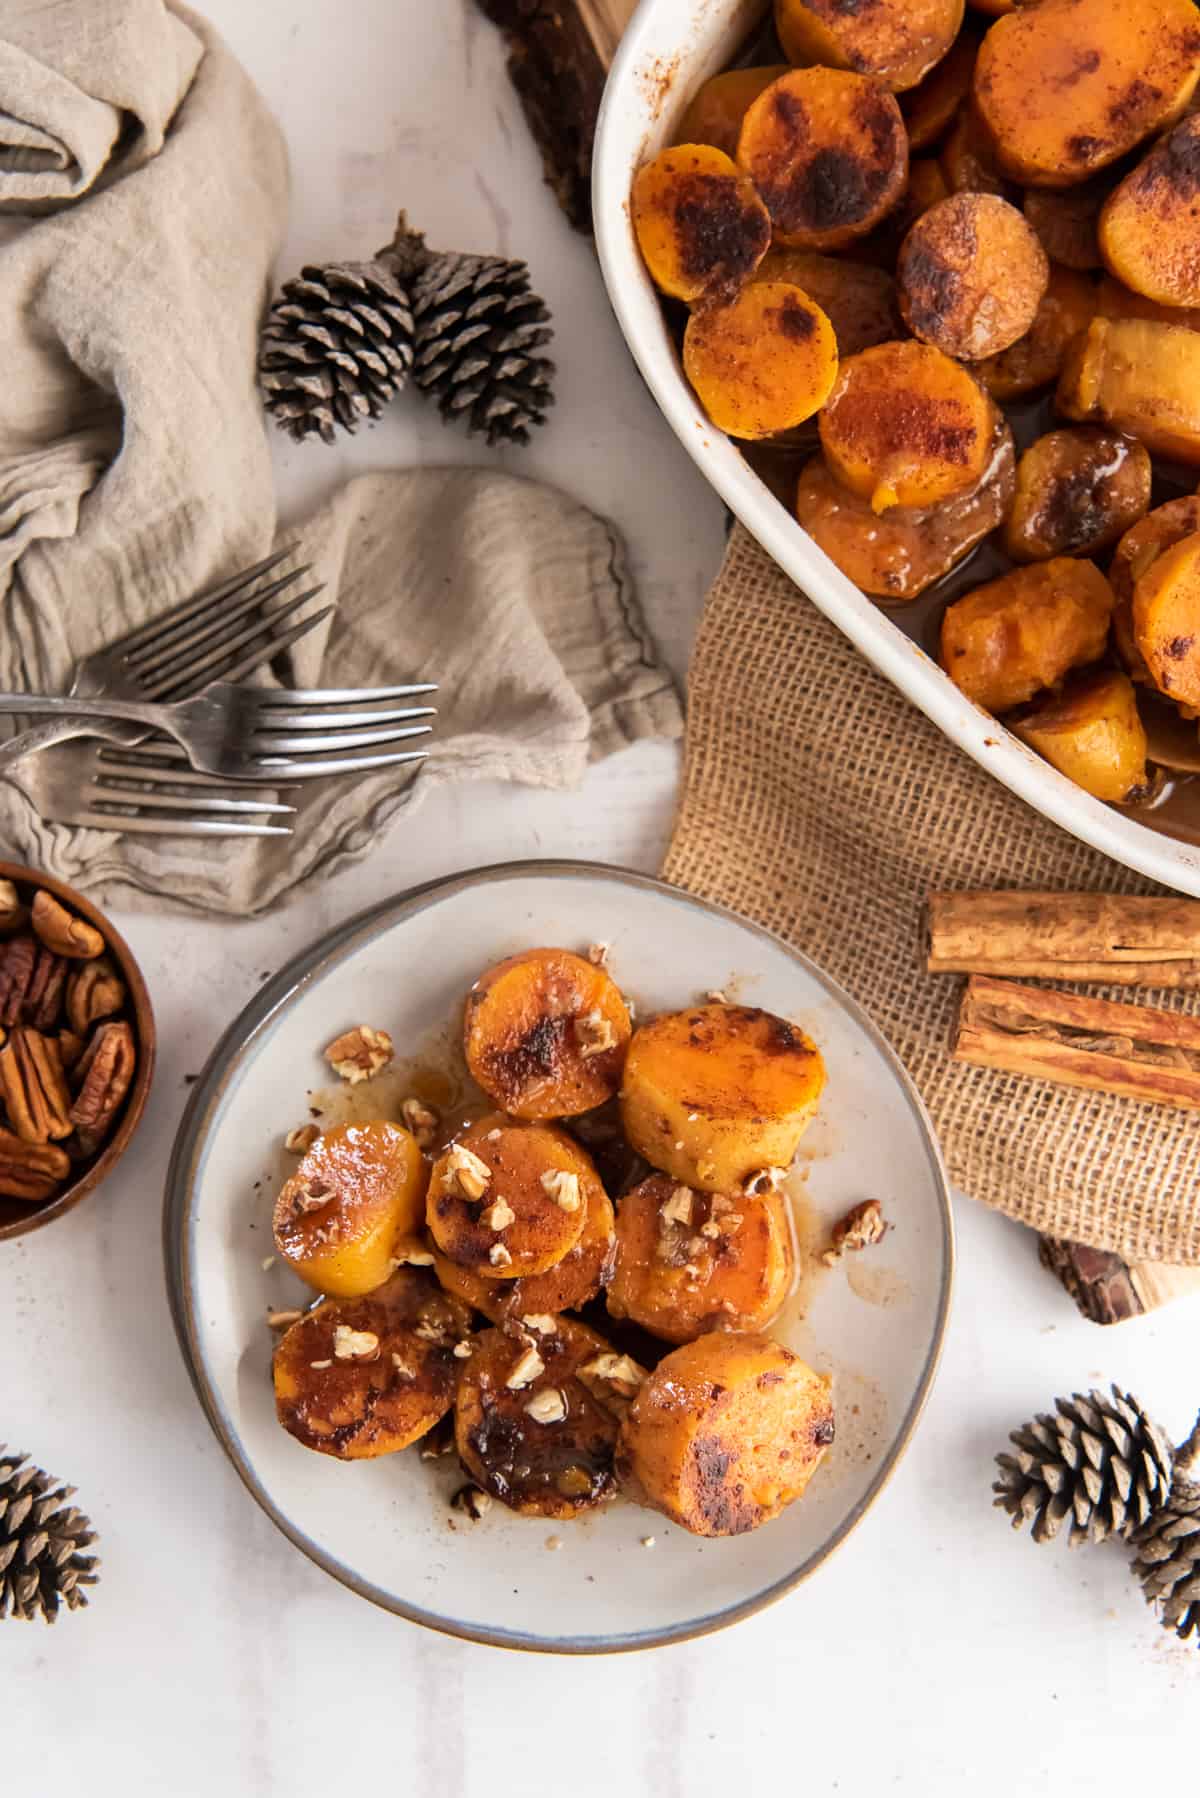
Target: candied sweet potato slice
x: 1066, y: 87
x: 509, y: 1198
x: 1114, y: 300
x: 1139, y: 547
x: 1166, y: 620
x: 1150, y: 226
x: 356, y: 1193
x: 1067, y: 308
x: 581, y: 1275
x: 699, y: 223
x: 827, y: 152
x: 725, y: 1433
x: 1140, y: 377
x: 715, y: 111
x: 930, y: 109
x: 763, y: 362
x: 858, y: 300
x: 1009, y: 639
x: 689, y: 1262
x: 926, y: 187
x: 717, y: 1094
x: 1091, y: 732
x: 1078, y: 490
x: 972, y: 275
x: 1067, y: 222
x: 545, y: 1034
x: 907, y: 426
x: 967, y: 161
x: 897, y: 41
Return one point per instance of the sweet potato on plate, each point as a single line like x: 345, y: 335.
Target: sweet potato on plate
x: 1067, y: 308
x: 762, y: 363
x: 356, y: 1193
x: 1011, y: 638
x: 700, y: 225
x: 508, y: 1199
x: 1092, y: 732
x: 897, y: 41
x: 1150, y: 226
x: 545, y: 1034
x: 972, y: 275
x: 725, y: 1433
x: 858, y: 300
x: 715, y: 111
x: 1078, y: 490
x: 1140, y: 377
x: 1166, y: 621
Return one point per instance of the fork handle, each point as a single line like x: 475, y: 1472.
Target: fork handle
x: 67, y: 730
x: 74, y: 705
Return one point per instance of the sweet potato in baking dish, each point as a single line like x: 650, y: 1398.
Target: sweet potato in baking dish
x: 897, y: 41
x: 545, y: 1034
x: 508, y: 1198
x: 1143, y: 378
x: 1066, y: 87
x: 828, y: 153
x: 725, y: 1433
x: 1091, y: 732
x: 1077, y: 491
x: 715, y: 111
x: 1009, y: 639
x: 763, y: 362
x: 700, y: 225
x: 1068, y: 307
x: 972, y: 275
x: 1142, y: 545
x: 1150, y: 226
x: 1166, y: 620
x: 858, y: 300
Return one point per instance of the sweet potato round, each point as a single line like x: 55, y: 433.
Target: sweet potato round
x: 727, y: 1266
x: 1078, y: 490
x: 1009, y: 639
x: 699, y: 223
x: 721, y: 1092
x: 1068, y: 307
x: 1066, y: 87
x: 1067, y: 222
x: 545, y: 1034
x: 1166, y: 621
x: 930, y: 109
x: 762, y: 363
x: 1150, y: 226
x: 897, y: 41
x: 726, y: 1432
x: 926, y: 187
x: 1114, y: 300
x: 581, y: 1275
x: 358, y: 1190
x: 972, y: 275
x: 1091, y: 732
x: 858, y: 300
x: 828, y: 153
x: 1140, y: 377
x: 967, y: 160
x: 521, y: 1160
x: 715, y: 111
x: 896, y: 555
x: 1138, y: 549
x: 906, y: 426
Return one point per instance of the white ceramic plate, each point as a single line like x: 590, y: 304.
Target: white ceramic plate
x: 669, y: 48
x: 384, y: 1527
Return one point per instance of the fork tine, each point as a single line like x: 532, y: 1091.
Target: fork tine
x: 149, y: 632
x: 341, y: 695
x: 156, y: 769
x: 259, y: 641
x: 179, y: 643
x: 315, y: 769
x: 275, y: 743
x: 147, y: 799
x: 254, y: 658
x: 320, y: 717
x: 135, y: 824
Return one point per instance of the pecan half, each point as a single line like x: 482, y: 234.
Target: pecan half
x: 358, y: 1054
x: 13, y: 915
x: 105, y: 1073
x: 62, y: 931
x: 44, y: 994
x: 35, y: 1088
x: 94, y: 991
x: 70, y: 1048
x: 17, y: 960
x: 30, y: 1171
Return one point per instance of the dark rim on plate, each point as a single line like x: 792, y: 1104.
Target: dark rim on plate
x: 242, y: 1037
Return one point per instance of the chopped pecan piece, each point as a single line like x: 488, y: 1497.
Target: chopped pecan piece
x: 105, y: 1073
x: 17, y: 960
x: 13, y: 915
x: 44, y: 994
x: 30, y: 1171
x: 358, y: 1054
x: 863, y: 1225
x: 94, y: 991
x: 35, y: 1087
x: 62, y: 931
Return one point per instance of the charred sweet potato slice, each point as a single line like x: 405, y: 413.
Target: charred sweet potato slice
x: 715, y: 112
x: 1138, y: 549
x: 858, y: 300
x: 1066, y: 87
x: 356, y: 1193
x: 930, y: 109
x: 1150, y: 226
x: 508, y: 1199
x: 907, y: 426
x: 827, y: 152
x: 699, y: 223
x: 1092, y: 733
x: 897, y: 41
x: 1009, y: 639
x: 1140, y: 377
x: 1166, y: 621
x: 1078, y: 490
x: 689, y: 1262
x: 545, y: 1034
x: 1067, y: 308
x: 581, y: 1275
x: 725, y: 1433
x: 528, y: 1429
x: 356, y: 1378
x: 1067, y: 221
x: 972, y: 275
x: 715, y: 1095
x: 762, y: 363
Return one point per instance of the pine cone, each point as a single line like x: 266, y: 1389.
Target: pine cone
x: 477, y: 327
x: 1168, y: 1547
x: 336, y: 347
x: 41, y: 1541
x: 1102, y: 1463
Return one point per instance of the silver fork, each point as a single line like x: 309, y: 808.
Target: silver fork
x: 257, y: 734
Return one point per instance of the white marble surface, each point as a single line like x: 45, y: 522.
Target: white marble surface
x: 935, y: 1646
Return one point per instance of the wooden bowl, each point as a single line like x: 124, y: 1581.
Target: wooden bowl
x: 17, y: 1216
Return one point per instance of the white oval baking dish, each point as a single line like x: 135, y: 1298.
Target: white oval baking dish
x: 670, y: 47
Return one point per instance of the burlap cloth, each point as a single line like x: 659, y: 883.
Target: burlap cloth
x: 134, y: 468
x: 818, y: 802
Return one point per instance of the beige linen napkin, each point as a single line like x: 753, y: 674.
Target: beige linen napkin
x: 134, y: 470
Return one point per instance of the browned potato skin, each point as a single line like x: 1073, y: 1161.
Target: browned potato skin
x: 1067, y: 222
x: 725, y: 1433
x: 355, y: 1194
x: 930, y: 109
x: 858, y: 300
x: 828, y: 153
x: 1166, y: 621
x: 716, y: 110
x: 1140, y: 377
x: 582, y: 1274
x: 1011, y: 638
x: 678, y: 1283
x: 1091, y: 732
x: 359, y: 1408
x: 1035, y: 360
x: 895, y: 556
x: 720, y: 1092
x: 1066, y: 87
x: 700, y: 225
x: 1078, y: 491
x: 552, y: 1470
x: 897, y: 41
x: 1150, y: 226
x: 1113, y: 300
x: 972, y: 275
x: 763, y: 362
x: 525, y: 1034
x: 517, y: 1155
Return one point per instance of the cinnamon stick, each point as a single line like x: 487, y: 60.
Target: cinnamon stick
x: 1101, y: 938
x: 1133, y: 1051
x: 1107, y: 1289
